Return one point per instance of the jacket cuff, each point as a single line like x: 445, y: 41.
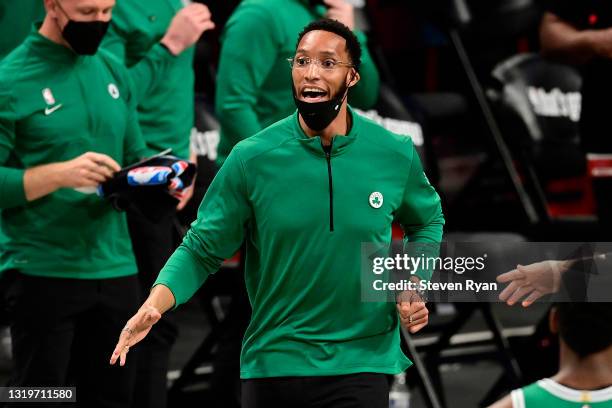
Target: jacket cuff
x: 11, y: 188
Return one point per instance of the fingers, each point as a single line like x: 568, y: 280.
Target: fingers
x: 533, y: 296
x: 403, y: 309
x: 510, y: 289
x: 120, y: 351
x: 413, y: 316
x: 417, y: 327
x: 519, y: 293
x: 104, y: 160
x: 184, y: 200
x: 514, y: 274
x: 91, y: 178
x: 208, y: 25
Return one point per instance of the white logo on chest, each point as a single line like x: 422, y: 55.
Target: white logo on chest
x: 48, y: 96
x: 113, y: 91
x: 376, y: 200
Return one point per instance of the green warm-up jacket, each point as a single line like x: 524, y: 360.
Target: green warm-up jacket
x: 54, y: 106
x: 304, y: 215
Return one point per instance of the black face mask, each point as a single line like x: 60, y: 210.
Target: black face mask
x: 318, y: 115
x: 84, y: 37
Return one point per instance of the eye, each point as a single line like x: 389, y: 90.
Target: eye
x: 302, y: 61
x: 329, y: 64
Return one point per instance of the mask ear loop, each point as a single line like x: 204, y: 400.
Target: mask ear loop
x: 346, y: 92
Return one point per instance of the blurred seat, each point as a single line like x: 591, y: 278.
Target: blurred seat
x: 538, y: 106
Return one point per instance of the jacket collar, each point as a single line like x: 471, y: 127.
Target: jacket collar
x: 49, y: 50
x: 340, y: 143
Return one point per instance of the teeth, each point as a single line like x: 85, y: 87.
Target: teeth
x: 317, y: 90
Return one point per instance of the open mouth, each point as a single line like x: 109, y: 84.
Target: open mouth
x: 311, y: 94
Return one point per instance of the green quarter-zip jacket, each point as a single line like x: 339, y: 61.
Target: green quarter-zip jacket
x: 164, y: 83
x: 55, y: 106
x: 254, y: 76
x: 304, y: 215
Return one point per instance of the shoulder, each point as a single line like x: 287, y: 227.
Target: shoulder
x: 15, y: 61
x: 12, y: 70
x: 377, y: 136
x: 259, y: 14
x: 273, y: 137
x: 113, y: 64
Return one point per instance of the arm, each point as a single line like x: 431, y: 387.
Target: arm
x: 243, y: 70
x: 184, y: 30
x: 420, y: 213
x: 561, y: 40
x: 216, y: 235
x: 18, y: 186
x: 505, y: 402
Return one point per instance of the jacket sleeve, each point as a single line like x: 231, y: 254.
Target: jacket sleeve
x: 149, y: 70
x: 243, y: 69
x: 216, y: 234
x: 365, y: 93
x: 12, y: 193
x: 420, y: 215
x: 134, y: 146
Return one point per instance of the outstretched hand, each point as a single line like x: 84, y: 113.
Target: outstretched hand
x: 134, y: 331
x: 532, y: 281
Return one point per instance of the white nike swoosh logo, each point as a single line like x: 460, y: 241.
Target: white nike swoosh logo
x: 49, y: 111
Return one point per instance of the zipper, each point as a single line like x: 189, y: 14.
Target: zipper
x: 331, y: 186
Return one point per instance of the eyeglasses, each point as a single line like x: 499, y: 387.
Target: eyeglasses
x: 328, y: 64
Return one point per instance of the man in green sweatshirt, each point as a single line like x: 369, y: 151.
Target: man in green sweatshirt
x: 154, y: 39
x: 67, y: 123
x: 252, y: 91
x: 304, y: 195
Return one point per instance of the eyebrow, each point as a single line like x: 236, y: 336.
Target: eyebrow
x: 326, y: 53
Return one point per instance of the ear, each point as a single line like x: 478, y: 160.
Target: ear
x: 51, y: 8
x: 354, y: 78
x: 553, y: 321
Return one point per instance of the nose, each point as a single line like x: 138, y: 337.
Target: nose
x: 312, y: 71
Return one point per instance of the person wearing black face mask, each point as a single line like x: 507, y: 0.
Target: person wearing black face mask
x: 67, y: 122
x: 84, y: 37
x: 303, y: 201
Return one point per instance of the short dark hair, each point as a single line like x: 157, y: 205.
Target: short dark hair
x: 333, y: 26
x: 585, y: 327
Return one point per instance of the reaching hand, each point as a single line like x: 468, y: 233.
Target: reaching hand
x: 531, y: 282
x: 87, y: 170
x: 135, y: 330
x: 186, y: 27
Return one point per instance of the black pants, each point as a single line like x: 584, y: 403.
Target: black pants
x: 64, y: 331
x: 153, y: 244
x: 363, y: 390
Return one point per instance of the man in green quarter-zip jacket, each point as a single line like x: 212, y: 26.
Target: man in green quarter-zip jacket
x: 155, y: 41
x: 252, y: 91
x: 68, y: 121
x: 304, y: 194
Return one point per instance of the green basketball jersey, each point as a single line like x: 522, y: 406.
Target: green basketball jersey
x: 548, y: 393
